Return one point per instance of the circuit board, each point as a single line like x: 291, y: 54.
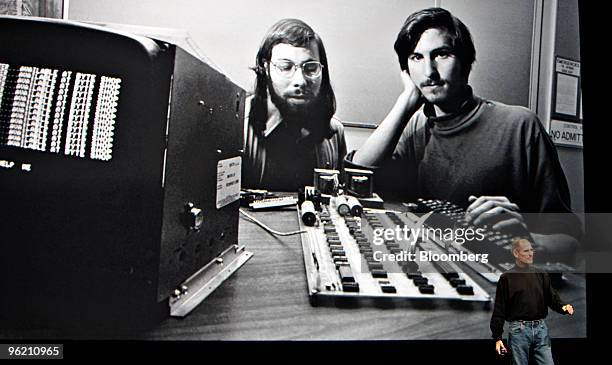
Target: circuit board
x: 348, y: 256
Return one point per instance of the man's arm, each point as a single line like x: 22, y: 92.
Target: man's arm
x: 499, y: 315
x: 499, y: 310
x: 381, y: 143
x: 552, y: 297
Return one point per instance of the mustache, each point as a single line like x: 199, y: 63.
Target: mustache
x: 432, y: 83
x: 301, y: 92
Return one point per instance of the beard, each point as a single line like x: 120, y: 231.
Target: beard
x: 301, y: 114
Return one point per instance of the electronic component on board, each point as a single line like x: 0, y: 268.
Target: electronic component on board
x: 328, y: 184
x: 355, y: 207
x: 341, y: 205
x: 309, y: 214
x: 312, y: 194
x: 326, y: 181
x: 359, y: 182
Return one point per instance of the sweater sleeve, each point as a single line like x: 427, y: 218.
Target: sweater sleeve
x: 396, y: 177
x: 499, y: 310
x: 549, y: 190
x: 552, y: 297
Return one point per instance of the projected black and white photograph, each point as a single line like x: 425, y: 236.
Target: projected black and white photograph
x: 273, y: 170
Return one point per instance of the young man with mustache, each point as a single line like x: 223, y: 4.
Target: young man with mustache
x: 441, y: 141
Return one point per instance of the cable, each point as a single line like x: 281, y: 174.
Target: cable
x: 276, y: 233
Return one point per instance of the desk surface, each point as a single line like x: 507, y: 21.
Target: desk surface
x: 267, y: 300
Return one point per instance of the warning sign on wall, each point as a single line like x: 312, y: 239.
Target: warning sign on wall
x: 566, y: 133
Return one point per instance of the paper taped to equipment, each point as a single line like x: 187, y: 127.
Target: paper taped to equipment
x: 228, y: 181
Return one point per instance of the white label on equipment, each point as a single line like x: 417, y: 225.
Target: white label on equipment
x: 228, y: 181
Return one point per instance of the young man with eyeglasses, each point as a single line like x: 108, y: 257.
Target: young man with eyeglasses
x: 522, y: 299
x: 290, y: 127
x: 441, y: 141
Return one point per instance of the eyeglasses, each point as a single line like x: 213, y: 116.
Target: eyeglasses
x: 310, y: 69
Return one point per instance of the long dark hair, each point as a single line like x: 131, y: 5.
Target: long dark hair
x: 298, y: 34
x: 419, y: 22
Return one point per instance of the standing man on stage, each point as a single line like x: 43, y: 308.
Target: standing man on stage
x: 522, y: 299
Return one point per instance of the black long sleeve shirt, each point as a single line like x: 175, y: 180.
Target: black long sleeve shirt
x: 523, y: 294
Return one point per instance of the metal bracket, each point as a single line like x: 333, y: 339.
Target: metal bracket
x: 200, y: 285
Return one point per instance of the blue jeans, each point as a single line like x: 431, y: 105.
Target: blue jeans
x: 529, y: 337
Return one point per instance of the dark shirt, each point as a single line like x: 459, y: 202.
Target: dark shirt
x: 486, y: 148
x: 283, y: 157
x: 523, y: 294
x: 290, y: 160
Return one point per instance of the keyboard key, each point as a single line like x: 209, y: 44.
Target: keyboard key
x: 426, y: 289
x: 346, y: 275
x: 418, y: 281
x: 465, y: 290
x: 388, y: 289
x: 377, y: 273
x: 375, y: 265
x: 350, y: 287
x: 412, y: 275
x: 456, y: 282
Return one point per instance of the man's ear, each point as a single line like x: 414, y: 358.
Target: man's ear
x: 515, y: 253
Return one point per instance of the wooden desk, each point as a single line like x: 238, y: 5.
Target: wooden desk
x: 267, y: 300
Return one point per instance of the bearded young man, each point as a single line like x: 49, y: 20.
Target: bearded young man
x: 290, y: 128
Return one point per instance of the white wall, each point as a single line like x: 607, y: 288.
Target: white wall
x: 358, y: 36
